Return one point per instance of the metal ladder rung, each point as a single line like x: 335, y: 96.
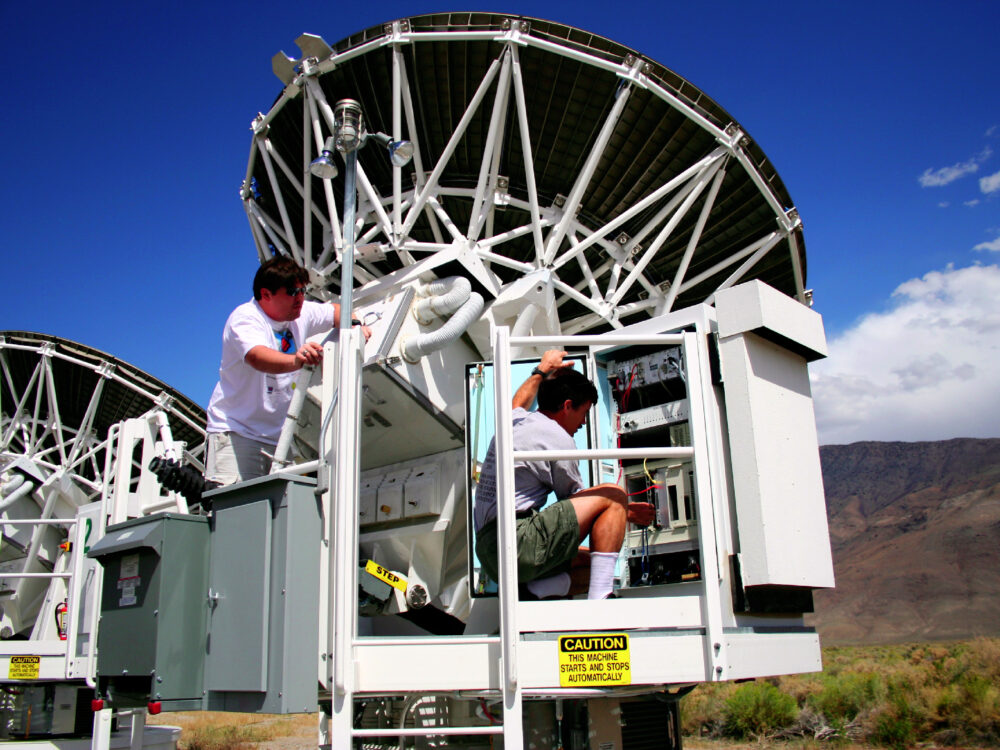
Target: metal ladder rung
x: 426, y: 731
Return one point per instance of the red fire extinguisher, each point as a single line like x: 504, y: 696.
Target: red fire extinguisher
x: 61, y: 610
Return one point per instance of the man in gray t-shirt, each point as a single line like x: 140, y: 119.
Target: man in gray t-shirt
x: 550, y: 560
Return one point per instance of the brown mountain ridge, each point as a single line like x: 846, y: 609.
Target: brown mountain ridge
x: 915, y: 531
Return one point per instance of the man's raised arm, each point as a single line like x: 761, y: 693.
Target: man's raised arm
x: 525, y: 396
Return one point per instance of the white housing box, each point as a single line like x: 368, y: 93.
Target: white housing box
x: 765, y: 341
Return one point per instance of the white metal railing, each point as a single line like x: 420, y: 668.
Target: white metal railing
x: 698, y: 385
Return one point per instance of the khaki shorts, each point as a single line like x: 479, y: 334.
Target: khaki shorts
x: 230, y: 458
x: 547, y: 542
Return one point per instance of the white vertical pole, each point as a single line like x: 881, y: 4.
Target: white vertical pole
x: 397, y: 135
x: 506, y: 547
x: 307, y: 182
x: 138, y: 728
x: 344, y: 510
x: 715, y: 645
x: 102, y: 730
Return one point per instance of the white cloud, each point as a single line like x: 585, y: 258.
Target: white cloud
x: 927, y: 369
x: 972, y: 203
x: 944, y: 204
x: 946, y: 175
x: 993, y: 245
x: 990, y: 184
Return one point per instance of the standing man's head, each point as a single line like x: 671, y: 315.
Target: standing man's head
x: 280, y: 288
x: 565, y: 397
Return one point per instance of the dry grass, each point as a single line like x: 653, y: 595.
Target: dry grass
x: 221, y: 730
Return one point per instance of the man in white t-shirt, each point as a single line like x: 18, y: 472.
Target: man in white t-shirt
x: 263, y: 348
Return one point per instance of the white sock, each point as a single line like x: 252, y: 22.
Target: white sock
x: 557, y: 585
x: 602, y: 574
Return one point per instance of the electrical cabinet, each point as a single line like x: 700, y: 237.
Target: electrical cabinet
x: 264, y: 591
x: 649, y: 407
x: 154, y: 614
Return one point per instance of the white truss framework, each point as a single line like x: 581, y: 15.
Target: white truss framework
x: 611, y: 269
x: 32, y: 426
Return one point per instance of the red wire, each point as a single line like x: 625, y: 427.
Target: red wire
x: 647, y: 489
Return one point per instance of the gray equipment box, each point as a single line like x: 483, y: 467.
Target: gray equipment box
x: 264, y: 591
x: 154, y: 614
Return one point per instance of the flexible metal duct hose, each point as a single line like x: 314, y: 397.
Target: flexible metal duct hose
x: 423, y: 344
x: 441, y: 298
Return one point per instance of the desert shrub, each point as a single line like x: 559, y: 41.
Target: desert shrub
x: 947, y: 694
x: 845, y: 695
x: 756, y: 709
x: 702, y: 709
x: 892, y: 726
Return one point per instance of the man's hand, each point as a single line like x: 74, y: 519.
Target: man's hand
x: 310, y: 353
x: 553, y: 360
x: 641, y: 514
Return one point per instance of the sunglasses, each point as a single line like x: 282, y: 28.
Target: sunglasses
x: 296, y: 291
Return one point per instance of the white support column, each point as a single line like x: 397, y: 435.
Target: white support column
x: 102, y: 730
x: 344, y: 555
x: 665, y: 233
x: 749, y: 263
x: 713, y: 192
x: 445, y: 219
x: 307, y: 202
x: 265, y: 223
x: 397, y: 135
x: 649, y: 200
x: 376, y: 200
x: 88, y: 420
x: 54, y: 417
x: 312, y: 93
x: 583, y: 179
x: 138, y: 729
x: 715, y: 647
x: 280, y: 200
x: 17, y: 420
x: 529, y: 159
x: 795, y: 250
x: 510, y: 637
x: 255, y: 230
x: 491, y: 151
x: 753, y: 247
x: 449, y: 149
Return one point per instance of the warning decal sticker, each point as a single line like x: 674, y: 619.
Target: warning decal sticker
x: 587, y: 659
x: 24, y: 667
x: 396, y: 581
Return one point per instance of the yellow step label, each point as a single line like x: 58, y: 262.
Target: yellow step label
x: 396, y: 581
x: 24, y: 667
x: 589, y: 659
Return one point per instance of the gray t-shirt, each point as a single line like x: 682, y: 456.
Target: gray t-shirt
x: 533, y: 480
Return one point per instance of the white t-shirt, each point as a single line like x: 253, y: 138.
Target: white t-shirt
x: 247, y: 401
x: 533, y: 480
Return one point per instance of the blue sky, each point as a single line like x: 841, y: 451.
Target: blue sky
x: 125, y: 132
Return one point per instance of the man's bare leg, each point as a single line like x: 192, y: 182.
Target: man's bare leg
x: 600, y: 511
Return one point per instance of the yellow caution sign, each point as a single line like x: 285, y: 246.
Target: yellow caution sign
x: 588, y: 659
x: 24, y: 667
x: 396, y: 581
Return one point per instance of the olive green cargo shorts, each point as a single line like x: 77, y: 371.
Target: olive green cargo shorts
x: 547, y: 542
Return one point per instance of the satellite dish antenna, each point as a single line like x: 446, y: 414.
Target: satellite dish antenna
x: 540, y: 152
x: 58, y: 400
